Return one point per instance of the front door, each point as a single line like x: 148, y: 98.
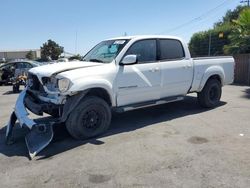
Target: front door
x: 142, y: 81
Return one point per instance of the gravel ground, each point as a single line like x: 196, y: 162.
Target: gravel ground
x: 172, y: 145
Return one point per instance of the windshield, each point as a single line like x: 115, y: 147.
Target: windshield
x: 106, y: 51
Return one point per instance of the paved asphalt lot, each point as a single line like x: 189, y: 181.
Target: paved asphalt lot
x: 172, y: 145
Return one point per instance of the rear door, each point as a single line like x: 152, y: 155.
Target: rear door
x: 140, y: 82
x: 177, y: 71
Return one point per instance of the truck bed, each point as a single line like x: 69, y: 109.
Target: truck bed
x: 222, y: 65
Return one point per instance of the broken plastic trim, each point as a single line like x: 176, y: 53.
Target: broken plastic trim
x: 38, y: 138
x: 21, y: 112
x: 9, y: 128
x: 40, y: 135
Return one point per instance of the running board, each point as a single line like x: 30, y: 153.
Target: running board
x: 148, y: 104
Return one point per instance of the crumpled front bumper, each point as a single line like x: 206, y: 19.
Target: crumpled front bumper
x: 39, y: 136
x: 21, y: 112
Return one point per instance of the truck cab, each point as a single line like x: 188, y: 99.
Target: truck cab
x: 162, y: 68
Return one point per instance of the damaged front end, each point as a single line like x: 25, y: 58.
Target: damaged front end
x: 40, y: 134
x: 47, y: 91
x: 37, y: 100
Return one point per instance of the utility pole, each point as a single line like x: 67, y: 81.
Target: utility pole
x: 76, y: 44
x: 209, y: 44
x: 246, y: 1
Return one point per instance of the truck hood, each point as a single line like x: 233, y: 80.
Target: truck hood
x: 53, y: 69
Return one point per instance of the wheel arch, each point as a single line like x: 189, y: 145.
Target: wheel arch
x: 98, y: 87
x: 100, y: 92
x: 214, y: 72
x: 72, y: 101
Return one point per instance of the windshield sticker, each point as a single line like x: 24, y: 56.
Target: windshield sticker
x: 119, y: 42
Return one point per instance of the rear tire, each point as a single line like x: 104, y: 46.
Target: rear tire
x: 90, y: 118
x: 210, y: 95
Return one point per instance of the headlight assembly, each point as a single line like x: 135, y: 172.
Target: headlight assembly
x: 50, y: 83
x: 63, y: 84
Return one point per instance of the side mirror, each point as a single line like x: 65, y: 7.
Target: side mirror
x: 129, y: 60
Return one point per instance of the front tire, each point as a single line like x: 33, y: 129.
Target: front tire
x: 90, y: 118
x: 210, y: 95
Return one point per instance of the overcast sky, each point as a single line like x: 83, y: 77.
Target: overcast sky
x: 27, y: 23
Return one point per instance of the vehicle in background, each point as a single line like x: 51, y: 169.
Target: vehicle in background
x: 10, y: 71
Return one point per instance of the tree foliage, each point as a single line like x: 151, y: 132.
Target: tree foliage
x: 30, y: 55
x: 199, y: 43
x: 240, y: 35
x: 230, y: 16
x: 51, y: 50
x: 221, y: 36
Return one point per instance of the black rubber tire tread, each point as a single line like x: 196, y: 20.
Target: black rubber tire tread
x: 203, y: 96
x: 74, y: 121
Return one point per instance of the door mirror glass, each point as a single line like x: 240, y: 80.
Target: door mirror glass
x: 129, y: 60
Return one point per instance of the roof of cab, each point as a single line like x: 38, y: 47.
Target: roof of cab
x: 144, y: 37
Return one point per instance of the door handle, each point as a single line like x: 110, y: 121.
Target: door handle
x: 187, y: 66
x: 156, y: 69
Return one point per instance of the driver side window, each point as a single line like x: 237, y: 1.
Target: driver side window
x: 145, y: 51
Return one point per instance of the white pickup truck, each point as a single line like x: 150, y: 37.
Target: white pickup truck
x: 118, y: 74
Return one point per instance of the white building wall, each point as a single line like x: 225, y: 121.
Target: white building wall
x: 19, y: 54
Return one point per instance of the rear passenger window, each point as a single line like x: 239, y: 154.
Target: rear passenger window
x: 145, y: 51
x: 171, y: 49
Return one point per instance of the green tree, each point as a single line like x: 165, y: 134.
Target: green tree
x: 30, y: 55
x: 240, y: 36
x: 230, y: 16
x: 51, y: 50
x: 199, y: 43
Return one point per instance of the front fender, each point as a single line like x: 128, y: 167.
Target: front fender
x: 211, y: 71
x: 86, y: 84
